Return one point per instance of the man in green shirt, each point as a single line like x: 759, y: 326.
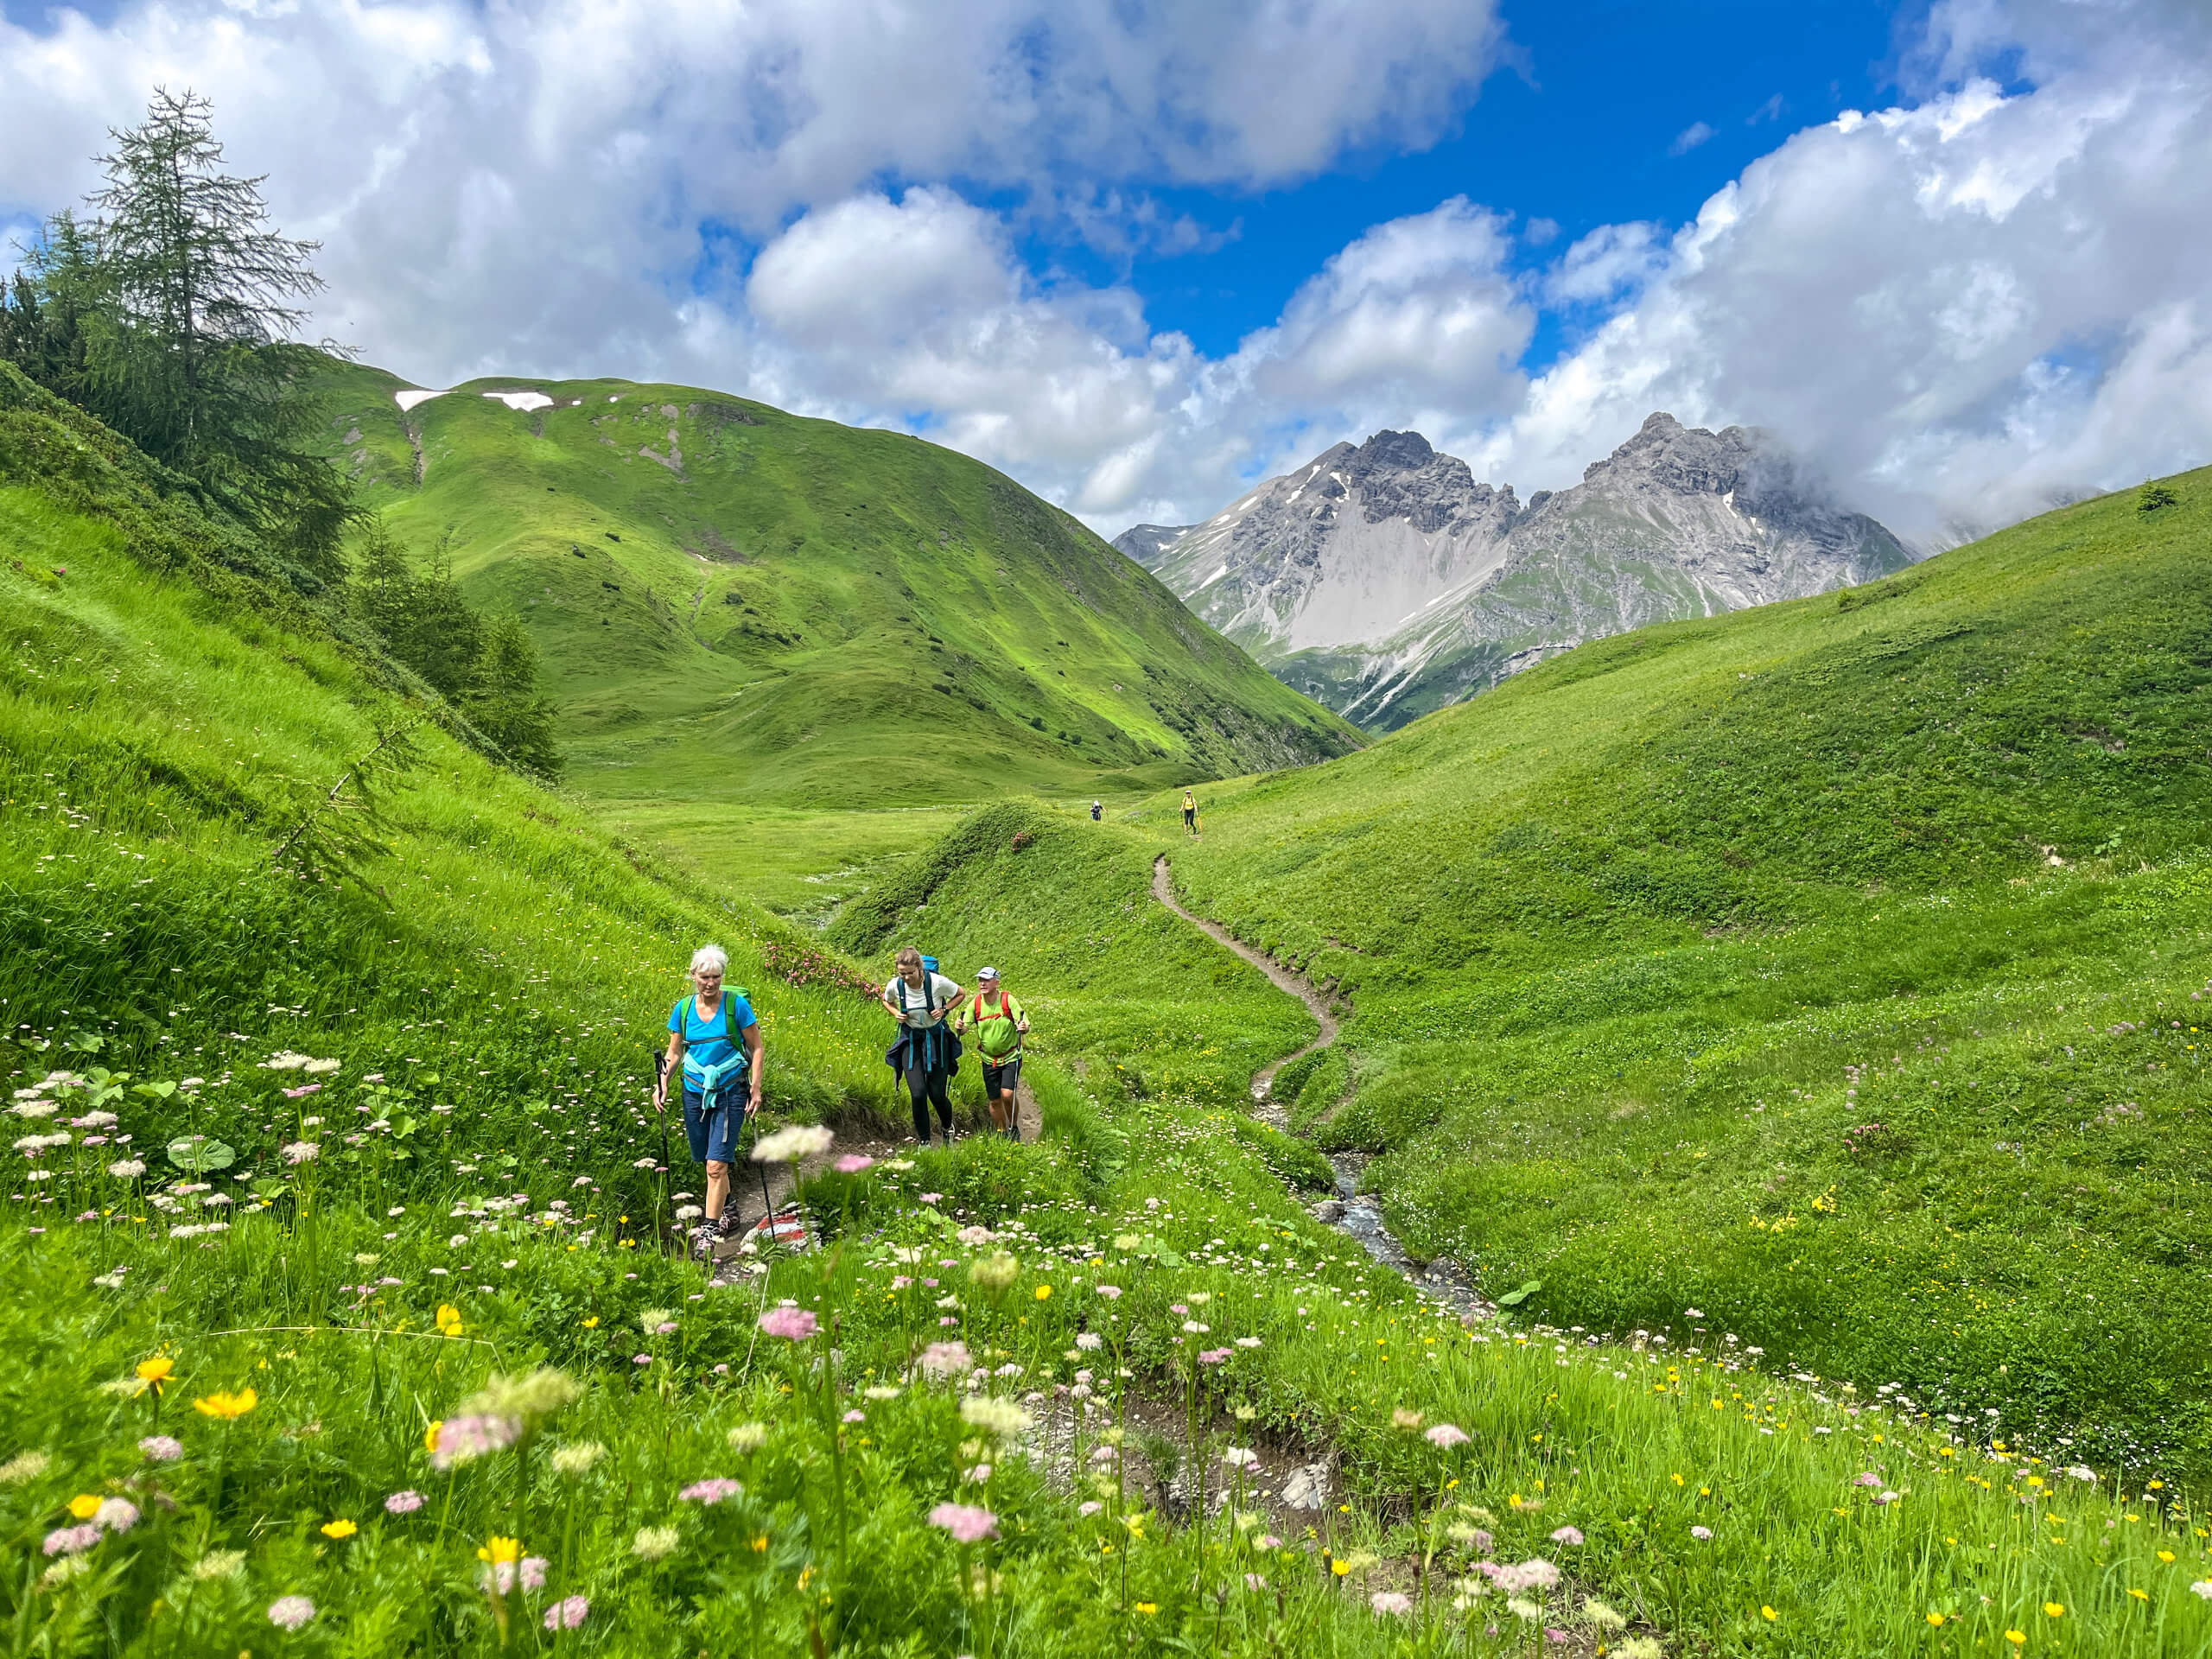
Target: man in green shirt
x: 999, y: 1024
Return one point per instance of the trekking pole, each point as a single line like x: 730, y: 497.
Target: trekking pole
x: 660, y: 1089
x: 767, y: 1208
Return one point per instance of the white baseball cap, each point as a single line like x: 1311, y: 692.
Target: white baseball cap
x: 986, y: 973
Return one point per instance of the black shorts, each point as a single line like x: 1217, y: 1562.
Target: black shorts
x: 1001, y: 1077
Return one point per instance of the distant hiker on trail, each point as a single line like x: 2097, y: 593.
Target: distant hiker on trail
x: 1189, y: 812
x: 1000, y: 1024
x: 1097, y: 809
x: 713, y: 1044
x: 927, y: 1054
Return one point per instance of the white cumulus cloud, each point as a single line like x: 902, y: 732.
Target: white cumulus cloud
x: 1998, y: 291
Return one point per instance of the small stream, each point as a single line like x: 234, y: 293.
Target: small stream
x: 1355, y: 1214
x: 1359, y: 1215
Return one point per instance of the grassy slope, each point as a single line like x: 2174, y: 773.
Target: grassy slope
x: 164, y: 722
x: 807, y: 614
x: 1639, y: 941
x: 1630, y: 1444
x: 1068, y: 919
x: 167, y: 722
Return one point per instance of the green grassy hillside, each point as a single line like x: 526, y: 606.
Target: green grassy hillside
x: 736, y: 606
x: 225, y: 1368
x: 1834, y: 967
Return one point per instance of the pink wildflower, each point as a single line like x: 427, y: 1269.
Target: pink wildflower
x: 1088, y: 1509
x: 1111, y: 1292
x: 462, y: 1439
x: 1702, y: 1534
x: 405, y: 1503
x: 792, y: 1324
x: 303, y: 1091
x: 567, y: 1615
x: 1216, y: 1356
x: 1445, y: 1436
x: 946, y: 1359
x: 162, y: 1448
x: 533, y: 1573
x: 1566, y: 1536
x: 116, y: 1515
x: 1267, y: 1541
x: 711, y: 1491
x: 856, y: 1416
x: 1386, y: 1602
x: 290, y: 1612
x: 72, y: 1541
x: 965, y: 1521
x: 644, y: 1359
x: 853, y: 1163
x: 300, y: 1151
x: 1869, y: 1478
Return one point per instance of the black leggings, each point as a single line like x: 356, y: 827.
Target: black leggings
x: 925, y: 1085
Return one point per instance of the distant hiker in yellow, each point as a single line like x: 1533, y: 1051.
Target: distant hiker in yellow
x: 714, y: 1047
x: 920, y: 999
x: 1189, y: 812
x: 1000, y: 1024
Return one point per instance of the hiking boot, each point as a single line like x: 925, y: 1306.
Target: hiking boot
x: 702, y: 1240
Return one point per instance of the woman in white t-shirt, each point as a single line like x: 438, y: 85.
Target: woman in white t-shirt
x: 919, y: 999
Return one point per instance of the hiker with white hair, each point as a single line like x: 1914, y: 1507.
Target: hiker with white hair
x: 714, y: 1045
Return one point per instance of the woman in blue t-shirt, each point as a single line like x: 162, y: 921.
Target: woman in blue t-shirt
x: 714, y: 1041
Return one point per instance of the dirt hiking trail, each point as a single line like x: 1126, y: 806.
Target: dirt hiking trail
x: 1352, y: 1212
x: 1317, y: 1003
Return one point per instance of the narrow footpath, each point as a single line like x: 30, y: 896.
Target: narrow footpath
x: 1318, y: 1005
x: 1352, y: 1211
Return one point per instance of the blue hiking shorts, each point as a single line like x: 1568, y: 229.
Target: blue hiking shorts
x: 713, y: 1133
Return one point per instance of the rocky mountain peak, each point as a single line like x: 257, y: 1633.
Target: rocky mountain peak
x: 1685, y: 459
x: 1404, y: 451
x: 1385, y: 579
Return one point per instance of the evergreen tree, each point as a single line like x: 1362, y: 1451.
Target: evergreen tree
x: 503, y: 701
x: 190, y: 352
x: 44, y: 316
x: 444, y: 634
x: 384, y: 588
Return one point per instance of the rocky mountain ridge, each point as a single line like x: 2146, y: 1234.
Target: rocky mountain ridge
x: 1386, y: 580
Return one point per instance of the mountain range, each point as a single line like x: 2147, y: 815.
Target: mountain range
x: 1384, y: 579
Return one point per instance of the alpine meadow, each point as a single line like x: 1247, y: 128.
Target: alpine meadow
x: 1700, y: 1149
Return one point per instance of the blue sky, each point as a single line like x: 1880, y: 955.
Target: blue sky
x: 1958, y: 253
x: 1578, y: 126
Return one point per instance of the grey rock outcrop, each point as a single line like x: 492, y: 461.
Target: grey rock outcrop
x: 1387, y: 581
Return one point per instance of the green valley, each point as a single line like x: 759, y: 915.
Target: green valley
x: 352, y: 1318
x: 1701, y: 1151
x: 1836, y: 968
x: 737, y: 608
